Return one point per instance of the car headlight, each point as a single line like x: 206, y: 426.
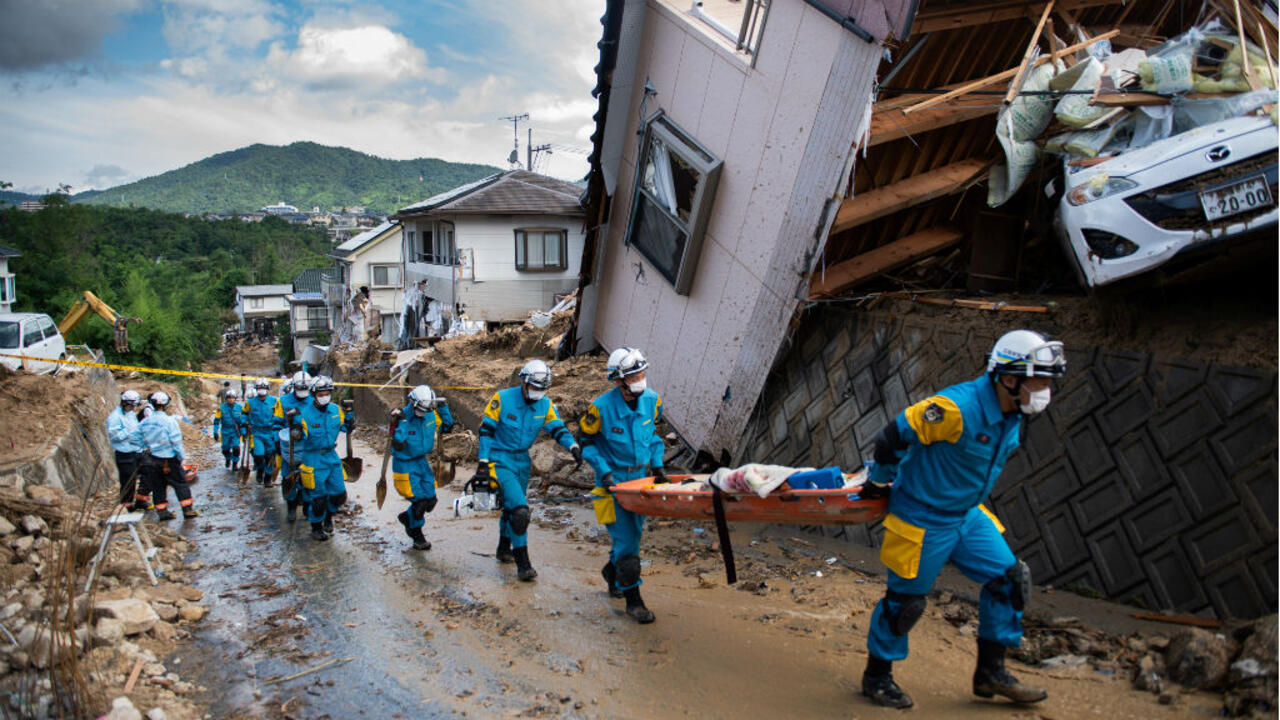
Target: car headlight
x: 1098, y: 187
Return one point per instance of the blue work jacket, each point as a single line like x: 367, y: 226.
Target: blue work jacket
x: 122, y: 431
x: 511, y: 423
x: 162, y: 435
x: 415, y: 436
x: 957, y: 444
x: 265, y: 413
x: 618, y: 438
x: 228, y: 418
x: 320, y: 427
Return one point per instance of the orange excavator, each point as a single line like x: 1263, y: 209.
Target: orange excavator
x: 119, y: 323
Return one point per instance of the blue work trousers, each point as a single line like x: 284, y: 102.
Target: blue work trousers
x: 325, y: 470
x: 625, y: 532
x: 512, y: 469
x: 972, y: 542
x: 415, y: 482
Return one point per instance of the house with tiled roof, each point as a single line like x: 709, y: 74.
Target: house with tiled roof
x: 498, y: 247
x: 309, y: 320
x: 368, y: 265
x: 260, y: 307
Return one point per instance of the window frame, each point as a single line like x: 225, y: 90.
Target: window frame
x: 8, y: 289
x: 708, y: 165
x: 255, y: 303
x: 29, y: 328
x: 322, y: 312
x: 391, y: 283
x: 521, y: 242
x: 750, y: 34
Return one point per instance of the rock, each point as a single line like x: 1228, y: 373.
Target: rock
x: 40, y: 644
x: 1261, y: 642
x: 163, y: 631
x: 167, y: 612
x: 157, y: 714
x: 154, y: 669
x: 6, y: 527
x: 1147, y: 676
x: 137, y: 616
x: 108, y: 631
x: 193, y: 613
x: 123, y: 709
x: 543, y: 458
x: 1064, y: 661
x: 45, y: 495
x: 1198, y: 658
x: 706, y: 580
x: 10, y: 610
x: 22, y: 545
x: 32, y: 525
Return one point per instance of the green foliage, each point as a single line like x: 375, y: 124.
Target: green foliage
x: 178, y: 274
x: 303, y: 174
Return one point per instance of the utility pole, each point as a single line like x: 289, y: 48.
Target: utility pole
x: 530, y: 149
x: 514, y: 157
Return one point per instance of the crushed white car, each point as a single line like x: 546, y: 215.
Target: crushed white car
x: 1138, y: 210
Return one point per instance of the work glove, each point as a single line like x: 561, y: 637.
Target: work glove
x: 660, y: 476
x: 348, y: 405
x: 446, y: 429
x: 351, y: 423
x: 606, y: 482
x: 396, y: 415
x: 217, y: 436
x: 295, y: 433
x: 576, y: 452
x: 293, y: 412
x: 872, y: 491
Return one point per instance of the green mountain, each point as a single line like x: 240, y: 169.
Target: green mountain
x: 303, y: 174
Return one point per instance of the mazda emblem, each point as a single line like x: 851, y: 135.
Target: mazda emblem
x: 1218, y: 154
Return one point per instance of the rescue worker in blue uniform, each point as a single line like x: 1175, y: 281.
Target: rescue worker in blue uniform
x: 264, y: 416
x: 295, y: 395
x: 620, y: 441
x: 943, y: 456
x: 163, y: 438
x: 320, y: 470
x: 413, y: 440
x: 512, y: 421
x: 122, y: 432
x: 229, y: 427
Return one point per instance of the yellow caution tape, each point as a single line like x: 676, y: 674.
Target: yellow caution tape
x: 221, y: 376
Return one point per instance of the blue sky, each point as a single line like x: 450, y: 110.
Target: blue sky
x: 102, y: 92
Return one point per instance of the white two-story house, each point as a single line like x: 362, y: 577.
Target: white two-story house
x: 260, y: 307
x: 309, y: 321
x: 8, y: 289
x: 496, y: 248
x: 371, y: 261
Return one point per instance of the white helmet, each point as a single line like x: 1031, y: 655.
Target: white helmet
x: 231, y: 394
x: 262, y: 384
x: 626, y: 361
x: 159, y: 399
x: 322, y: 383
x: 1027, y: 353
x: 536, y: 375
x: 130, y: 397
x: 286, y: 387
x: 422, y: 398
x: 301, y: 383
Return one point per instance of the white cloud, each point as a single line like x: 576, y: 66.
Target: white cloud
x: 368, y: 56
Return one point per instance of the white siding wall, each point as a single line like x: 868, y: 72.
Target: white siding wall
x: 493, y: 289
x: 766, y: 125
x: 271, y: 305
x: 385, y: 251
x: 7, y: 305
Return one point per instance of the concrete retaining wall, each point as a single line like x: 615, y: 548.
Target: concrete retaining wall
x: 1150, y: 480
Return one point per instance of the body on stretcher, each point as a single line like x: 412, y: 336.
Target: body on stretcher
x: 811, y: 501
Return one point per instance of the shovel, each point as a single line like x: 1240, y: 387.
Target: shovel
x: 287, y: 479
x: 242, y: 472
x: 352, y: 466
x: 381, y: 488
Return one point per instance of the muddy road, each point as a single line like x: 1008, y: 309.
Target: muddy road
x: 452, y: 633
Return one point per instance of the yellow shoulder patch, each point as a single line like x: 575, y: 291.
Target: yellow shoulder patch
x: 551, y: 414
x: 936, y: 419
x: 590, y: 423
x: 493, y: 410
x: 657, y: 409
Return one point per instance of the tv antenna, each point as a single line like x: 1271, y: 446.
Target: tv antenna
x: 514, y: 157
x: 532, y: 151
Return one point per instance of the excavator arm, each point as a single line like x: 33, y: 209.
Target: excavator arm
x: 119, y: 323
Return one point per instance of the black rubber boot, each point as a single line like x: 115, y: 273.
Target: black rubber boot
x: 878, y: 684
x: 504, y: 553
x: 190, y: 512
x: 291, y: 512
x: 318, y: 533
x: 164, y: 515
x: 524, y: 569
x: 636, y: 608
x: 419, y: 542
x: 991, y: 679
x: 328, y: 522
x: 404, y: 520
x: 610, y: 574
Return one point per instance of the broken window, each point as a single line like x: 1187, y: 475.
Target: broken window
x: 542, y: 249
x: 675, y: 188
x: 742, y: 23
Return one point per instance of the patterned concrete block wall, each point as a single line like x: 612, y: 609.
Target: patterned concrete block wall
x: 1149, y: 480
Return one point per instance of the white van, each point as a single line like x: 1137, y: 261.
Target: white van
x: 33, y: 335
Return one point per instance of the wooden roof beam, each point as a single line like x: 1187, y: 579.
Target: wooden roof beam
x: 950, y: 18
x: 912, y: 191
x: 832, y: 281
x: 891, y: 124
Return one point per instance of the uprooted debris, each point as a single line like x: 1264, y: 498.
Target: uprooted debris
x: 65, y: 650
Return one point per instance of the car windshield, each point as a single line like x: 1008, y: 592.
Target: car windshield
x: 8, y: 334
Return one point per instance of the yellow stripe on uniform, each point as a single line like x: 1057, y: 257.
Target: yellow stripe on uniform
x: 994, y: 519
x: 936, y: 419
x: 219, y: 376
x: 493, y: 410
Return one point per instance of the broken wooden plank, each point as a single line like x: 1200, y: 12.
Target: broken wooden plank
x: 872, y: 204
x: 1194, y: 620
x: 890, y: 124
x: 985, y: 14
x: 1001, y: 76
x: 1140, y: 99
x: 844, y: 275
x: 1029, y: 55
x: 993, y: 305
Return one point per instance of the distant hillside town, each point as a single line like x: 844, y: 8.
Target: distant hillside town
x: 341, y: 223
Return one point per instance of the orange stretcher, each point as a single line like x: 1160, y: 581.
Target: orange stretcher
x: 837, y: 506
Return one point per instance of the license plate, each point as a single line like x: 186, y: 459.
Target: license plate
x: 1248, y: 194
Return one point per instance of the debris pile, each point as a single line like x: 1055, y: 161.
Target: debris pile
x: 65, y: 650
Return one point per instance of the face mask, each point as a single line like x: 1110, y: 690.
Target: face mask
x: 637, y: 387
x: 301, y: 394
x: 535, y: 394
x: 322, y: 400
x: 1038, y: 402
x: 262, y: 393
x: 419, y: 413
